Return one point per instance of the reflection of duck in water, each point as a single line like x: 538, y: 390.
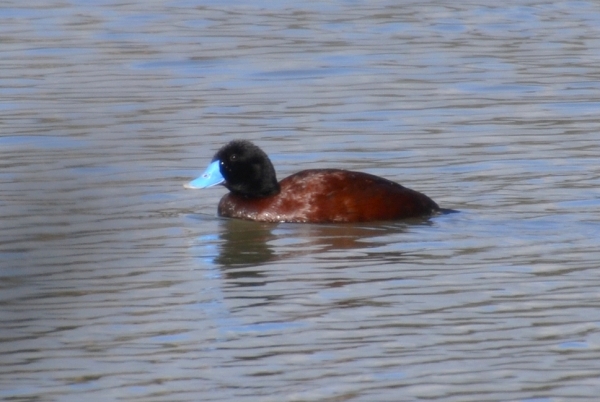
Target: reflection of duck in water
x: 317, y: 196
x: 250, y: 244
x: 245, y: 243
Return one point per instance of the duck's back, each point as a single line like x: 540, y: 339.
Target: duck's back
x: 331, y: 195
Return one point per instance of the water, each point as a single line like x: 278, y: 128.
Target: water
x: 118, y: 284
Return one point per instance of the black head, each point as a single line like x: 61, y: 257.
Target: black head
x: 247, y: 170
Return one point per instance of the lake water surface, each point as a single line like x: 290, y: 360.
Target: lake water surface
x: 116, y: 283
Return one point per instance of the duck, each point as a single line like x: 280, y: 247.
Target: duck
x: 308, y: 196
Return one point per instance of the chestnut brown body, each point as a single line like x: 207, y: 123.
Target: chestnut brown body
x: 330, y: 195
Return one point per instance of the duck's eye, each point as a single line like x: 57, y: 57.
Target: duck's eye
x: 233, y: 157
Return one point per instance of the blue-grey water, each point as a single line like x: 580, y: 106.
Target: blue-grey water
x: 118, y: 284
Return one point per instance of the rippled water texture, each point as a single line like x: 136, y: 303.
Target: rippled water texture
x: 119, y: 284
